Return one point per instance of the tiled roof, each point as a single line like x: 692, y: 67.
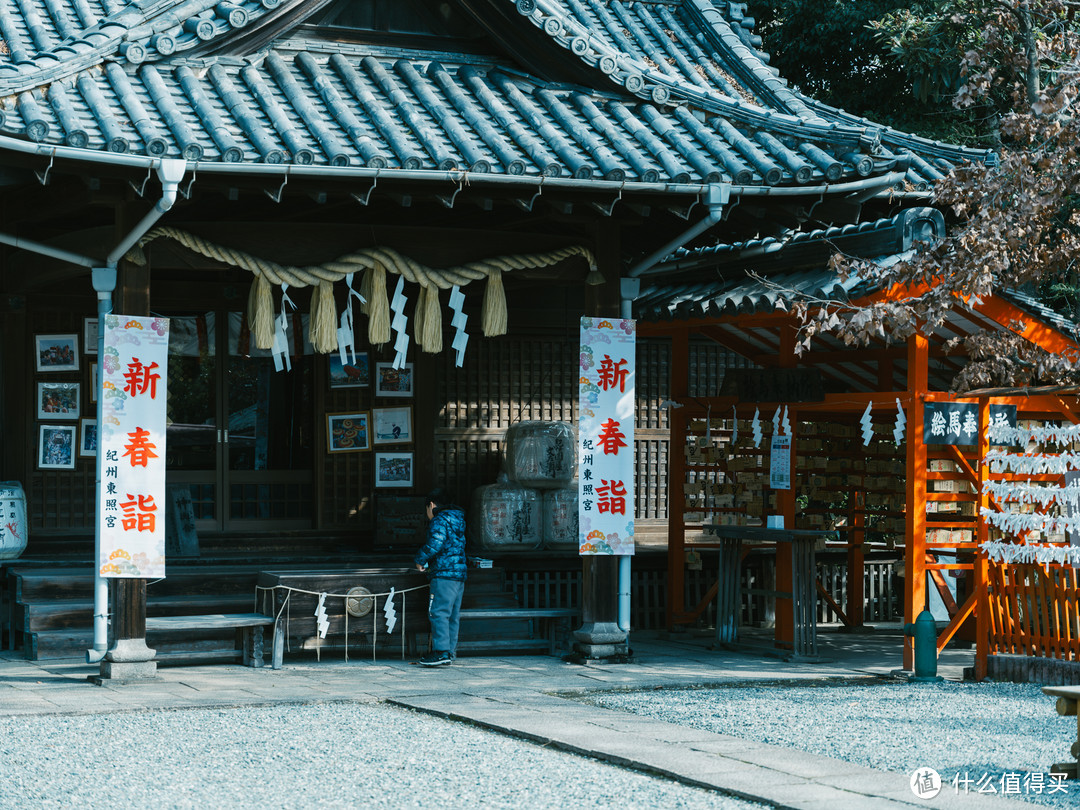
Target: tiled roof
x: 692, y: 102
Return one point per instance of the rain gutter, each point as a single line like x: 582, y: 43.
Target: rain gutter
x: 285, y: 171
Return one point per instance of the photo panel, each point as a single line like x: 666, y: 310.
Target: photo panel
x: 56, y: 352
x: 347, y: 432
x: 393, y: 469
x: 56, y: 447
x: 58, y: 400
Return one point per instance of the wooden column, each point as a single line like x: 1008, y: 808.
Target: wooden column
x: 918, y: 370
x: 678, y: 387
x: 129, y: 658
x: 599, y: 636
x: 784, y: 636
x: 856, y: 561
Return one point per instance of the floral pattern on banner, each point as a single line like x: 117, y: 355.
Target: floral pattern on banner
x: 606, y: 437
x: 132, y: 447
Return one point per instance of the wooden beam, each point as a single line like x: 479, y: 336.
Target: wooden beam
x: 954, y: 624
x: 832, y: 603
x: 1035, y: 331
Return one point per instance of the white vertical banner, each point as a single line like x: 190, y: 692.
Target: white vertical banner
x: 134, y: 370
x: 606, y: 437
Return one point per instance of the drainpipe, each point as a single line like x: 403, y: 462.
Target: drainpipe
x: 104, y: 279
x: 629, y: 289
x: 716, y: 197
x: 170, y: 172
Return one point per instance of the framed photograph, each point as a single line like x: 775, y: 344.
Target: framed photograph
x: 58, y: 400
x: 347, y: 432
x: 57, y: 352
x: 56, y: 447
x: 355, y: 375
x: 93, y: 383
x: 392, y: 425
x: 90, y: 335
x: 393, y: 469
x: 87, y: 437
x: 393, y: 382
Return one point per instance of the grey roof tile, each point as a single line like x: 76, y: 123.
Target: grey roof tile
x: 703, y: 107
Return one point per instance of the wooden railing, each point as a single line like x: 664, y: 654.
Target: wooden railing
x: 1033, y: 610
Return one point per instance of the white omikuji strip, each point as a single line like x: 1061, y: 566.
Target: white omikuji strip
x: 1064, y: 434
x: 1033, y: 464
x: 997, y: 551
x: 1016, y: 524
x: 1021, y: 492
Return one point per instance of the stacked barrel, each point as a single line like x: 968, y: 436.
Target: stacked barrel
x: 534, y: 505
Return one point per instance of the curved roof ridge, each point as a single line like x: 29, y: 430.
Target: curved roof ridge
x: 641, y: 75
x: 906, y: 140
x: 52, y: 48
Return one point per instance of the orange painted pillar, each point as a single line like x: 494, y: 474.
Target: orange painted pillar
x: 679, y: 372
x: 982, y: 534
x: 918, y: 362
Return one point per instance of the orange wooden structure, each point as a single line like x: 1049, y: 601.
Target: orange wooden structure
x: 937, y: 524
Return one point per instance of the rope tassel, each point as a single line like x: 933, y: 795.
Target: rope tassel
x: 378, y: 308
x: 261, y: 313
x: 429, y: 321
x: 322, y: 331
x: 493, y: 319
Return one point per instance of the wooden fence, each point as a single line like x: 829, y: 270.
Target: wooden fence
x: 648, y: 592
x: 1033, y: 610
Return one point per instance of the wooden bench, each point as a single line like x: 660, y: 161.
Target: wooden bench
x: 1067, y: 697
x: 249, y: 630
x: 549, y: 622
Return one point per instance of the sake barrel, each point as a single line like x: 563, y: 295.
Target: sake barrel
x: 14, y: 529
x: 540, y: 454
x: 560, y: 523
x: 506, y: 517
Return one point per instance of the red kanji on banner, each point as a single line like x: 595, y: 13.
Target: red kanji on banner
x: 611, y: 438
x: 612, y: 374
x: 140, y: 379
x: 611, y: 497
x: 140, y: 450
x: 138, y: 513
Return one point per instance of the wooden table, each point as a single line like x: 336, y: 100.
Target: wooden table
x: 803, y: 593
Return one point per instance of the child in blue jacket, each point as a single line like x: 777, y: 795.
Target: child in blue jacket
x: 443, y: 558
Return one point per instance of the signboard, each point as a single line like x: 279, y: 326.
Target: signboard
x: 780, y: 463
x: 606, y: 437
x: 131, y: 439
x: 958, y: 422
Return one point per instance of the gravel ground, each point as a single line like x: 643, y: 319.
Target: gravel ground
x: 984, y: 733
x: 327, y: 755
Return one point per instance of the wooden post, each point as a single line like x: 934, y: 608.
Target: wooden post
x: 784, y: 635
x: 678, y: 387
x: 599, y: 636
x: 856, y: 561
x: 129, y: 658
x: 915, y: 517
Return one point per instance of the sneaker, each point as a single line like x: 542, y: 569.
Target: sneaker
x: 439, y: 658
